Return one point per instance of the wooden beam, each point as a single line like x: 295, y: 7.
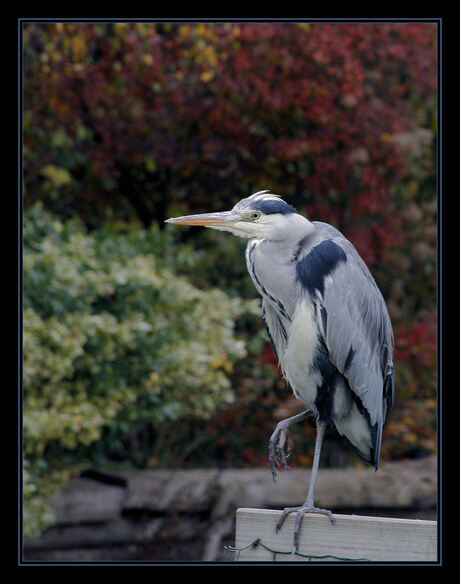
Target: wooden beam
x: 353, y: 537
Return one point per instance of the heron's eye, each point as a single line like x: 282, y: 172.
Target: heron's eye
x: 255, y: 215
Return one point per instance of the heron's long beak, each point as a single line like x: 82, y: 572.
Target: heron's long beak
x: 223, y: 219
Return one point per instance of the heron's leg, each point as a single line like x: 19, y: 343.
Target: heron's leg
x: 308, y: 506
x: 278, y: 441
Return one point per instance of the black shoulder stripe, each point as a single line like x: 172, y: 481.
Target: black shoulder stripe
x: 312, y: 269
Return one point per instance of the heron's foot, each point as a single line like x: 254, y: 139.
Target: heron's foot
x: 300, y: 513
x: 279, y: 448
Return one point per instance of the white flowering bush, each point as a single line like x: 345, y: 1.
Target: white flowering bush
x: 113, y: 342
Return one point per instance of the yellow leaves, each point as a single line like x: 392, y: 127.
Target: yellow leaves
x: 410, y: 438
x: 57, y: 175
x: 208, y: 54
x: 148, y: 59
x: 201, y: 29
x: 78, y: 48
x: 206, y: 31
x: 235, y: 30
x: 184, y: 30
x: 60, y: 138
x: 151, y: 383
x: 152, y: 379
x: 150, y: 163
x: 207, y: 76
x: 120, y: 27
x: 202, y: 48
x: 145, y: 29
x: 221, y: 362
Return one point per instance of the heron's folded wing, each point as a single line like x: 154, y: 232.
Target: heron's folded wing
x: 358, y: 334
x: 275, y: 328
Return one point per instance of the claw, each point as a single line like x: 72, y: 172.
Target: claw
x: 276, y: 447
x: 280, y: 447
x: 300, y: 513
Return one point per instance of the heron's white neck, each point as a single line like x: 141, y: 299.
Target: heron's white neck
x: 287, y: 231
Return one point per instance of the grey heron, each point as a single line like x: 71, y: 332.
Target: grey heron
x: 327, y: 322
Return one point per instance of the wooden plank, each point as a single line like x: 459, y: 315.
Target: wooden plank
x: 354, y: 537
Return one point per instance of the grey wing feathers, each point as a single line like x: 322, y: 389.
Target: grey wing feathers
x: 359, y: 336
x: 275, y: 329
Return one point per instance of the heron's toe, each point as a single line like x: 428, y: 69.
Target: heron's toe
x: 301, y: 511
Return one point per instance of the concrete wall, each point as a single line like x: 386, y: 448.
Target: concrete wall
x: 177, y: 515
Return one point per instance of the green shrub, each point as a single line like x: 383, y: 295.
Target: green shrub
x: 113, y: 342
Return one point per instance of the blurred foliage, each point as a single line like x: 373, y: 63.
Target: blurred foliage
x: 126, y: 124
x: 115, y: 345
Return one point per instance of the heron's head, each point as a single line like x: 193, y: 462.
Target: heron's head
x: 262, y: 215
